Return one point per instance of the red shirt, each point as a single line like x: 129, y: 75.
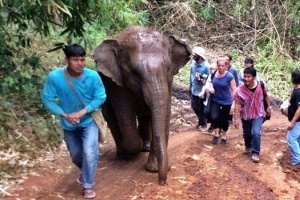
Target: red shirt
x: 252, y: 106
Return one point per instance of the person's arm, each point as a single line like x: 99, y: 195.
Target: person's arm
x: 267, y: 99
x: 236, y: 115
x: 295, y: 118
x: 236, y: 78
x: 237, y: 109
x: 233, y: 87
x: 99, y: 98
x: 48, y: 96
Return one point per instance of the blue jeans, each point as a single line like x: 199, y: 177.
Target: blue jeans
x: 252, y: 133
x: 83, y: 146
x: 293, y: 139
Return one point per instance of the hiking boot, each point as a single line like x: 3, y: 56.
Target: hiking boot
x: 247, y: 150
x: 255, y: 157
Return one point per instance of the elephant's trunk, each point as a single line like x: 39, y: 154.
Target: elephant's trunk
x: 160, y: 125
x: 160, y: 142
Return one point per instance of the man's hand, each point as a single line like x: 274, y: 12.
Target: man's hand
x: 290, y: 126
x: 74, y: 118
x: 201, y: 94
x: 268, y: 112
x: 236, y: 123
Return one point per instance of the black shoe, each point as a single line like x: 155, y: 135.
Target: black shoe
x: 223, y: 141
x: 215, y: 140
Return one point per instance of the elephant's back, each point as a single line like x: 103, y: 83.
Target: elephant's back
x: 141, y: 39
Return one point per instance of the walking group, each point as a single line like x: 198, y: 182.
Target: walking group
x: 219, y: 95
x: 223, y: 97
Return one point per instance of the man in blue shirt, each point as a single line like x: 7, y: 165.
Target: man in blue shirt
x: 198, y: 74
x: 80, y: 130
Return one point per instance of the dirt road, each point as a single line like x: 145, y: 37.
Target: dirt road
x: 199, y: 170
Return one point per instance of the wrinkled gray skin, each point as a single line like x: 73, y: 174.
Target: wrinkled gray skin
x: 137, y: 71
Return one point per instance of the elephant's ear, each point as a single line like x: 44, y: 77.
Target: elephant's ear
x: 180, y: 53
x: 106, y: 57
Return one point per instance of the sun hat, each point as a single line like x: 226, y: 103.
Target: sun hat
x: 249, y: 60
x: 200, y: 51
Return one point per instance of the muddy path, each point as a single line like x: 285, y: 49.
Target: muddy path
x: 199, y: 170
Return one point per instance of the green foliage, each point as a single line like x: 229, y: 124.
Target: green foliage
x: 183, y: 77
x: 206, y: 11
x: 275, y: 69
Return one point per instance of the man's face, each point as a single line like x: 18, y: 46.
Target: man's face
x: 248, y: 79
x: 228, y: 61
x: 76, y: 63
x: 248, y: 64
x: 197, y: 58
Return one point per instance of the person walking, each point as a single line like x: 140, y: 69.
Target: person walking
x: 293, y: 128
x: 234, y: 72
x: 249, y: 107
x: 80, y: 129
x: 221, y: 86
x: 199, y: 71
x: 249, y: 62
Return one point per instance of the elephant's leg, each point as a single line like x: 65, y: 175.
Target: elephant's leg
x: 112, y: 123
x: 132, y: 142
x: 123, y: 105
x: 152, y: 164
x: 145, y: 131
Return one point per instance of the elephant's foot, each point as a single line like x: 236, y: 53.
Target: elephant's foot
x: 123, y: 153
x: 146, y: 146
x: 152, y: 167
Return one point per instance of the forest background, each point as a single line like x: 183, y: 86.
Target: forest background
x: 33, y: 32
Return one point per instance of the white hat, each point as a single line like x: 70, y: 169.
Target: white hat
x: 199, y: 51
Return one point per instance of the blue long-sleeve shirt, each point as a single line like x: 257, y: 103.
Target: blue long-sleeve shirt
x: 203, y: 70
x: 58, y: 96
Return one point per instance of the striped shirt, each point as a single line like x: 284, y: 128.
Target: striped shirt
x: 252, y: 105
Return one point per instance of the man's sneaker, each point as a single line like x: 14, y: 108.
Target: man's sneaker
x: 202, y: 128
x: 293, y: 163
x: 247, y: 150
x: 255, y: 157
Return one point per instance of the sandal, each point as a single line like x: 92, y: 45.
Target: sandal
x: 89, y: 193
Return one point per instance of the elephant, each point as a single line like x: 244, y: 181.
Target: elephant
x: 137, y: 70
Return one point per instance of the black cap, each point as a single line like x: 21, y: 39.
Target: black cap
x: 249, y: 60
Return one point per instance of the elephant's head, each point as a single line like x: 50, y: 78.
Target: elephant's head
x: 145, y: 61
